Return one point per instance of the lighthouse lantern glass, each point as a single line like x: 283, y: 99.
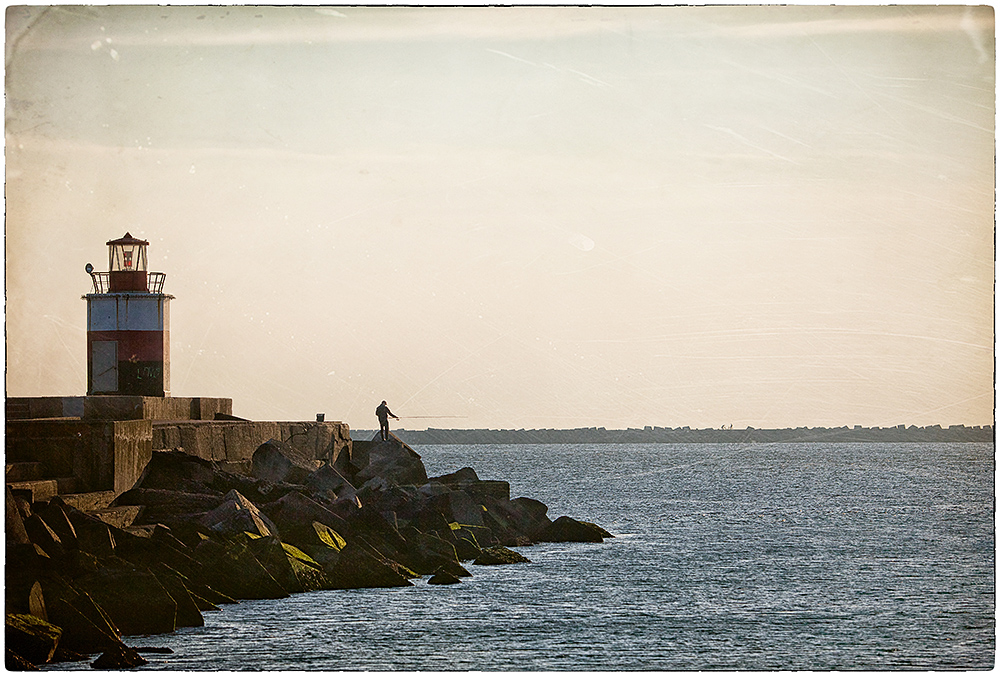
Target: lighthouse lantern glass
x: 127, y: 257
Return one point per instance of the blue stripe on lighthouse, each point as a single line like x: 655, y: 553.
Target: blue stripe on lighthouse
x: 114, y: 312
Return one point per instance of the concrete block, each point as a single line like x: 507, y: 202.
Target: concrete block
x: 89, y: 502
x: 23, y: 471
x: 119, y: 517
x: 97, y: 454
x: 35, y: 491
x: 24, y: 408
x: 122, y: 407
x: 133, y: 449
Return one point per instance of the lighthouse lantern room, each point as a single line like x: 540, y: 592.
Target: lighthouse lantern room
x: 128, y: 325
x: 127, y: 264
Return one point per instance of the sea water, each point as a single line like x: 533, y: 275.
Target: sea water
x: 725, y: 556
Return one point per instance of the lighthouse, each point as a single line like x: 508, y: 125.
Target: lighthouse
x: 128, y: 325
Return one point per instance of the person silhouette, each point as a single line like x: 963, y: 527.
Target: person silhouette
x: 383, y: 414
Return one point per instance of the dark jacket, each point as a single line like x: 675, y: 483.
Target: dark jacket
x: 383, y: 413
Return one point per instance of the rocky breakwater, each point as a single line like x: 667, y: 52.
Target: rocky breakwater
x: 206, y: 537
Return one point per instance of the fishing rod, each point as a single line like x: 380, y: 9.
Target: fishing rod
x: 411, y: 417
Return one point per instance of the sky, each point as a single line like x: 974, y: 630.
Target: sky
x: 526, y: 217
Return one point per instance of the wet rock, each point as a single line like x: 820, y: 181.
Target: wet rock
x: 361, y: 568
x: 494, y: 556
x: 292, y: 568
x: 568, y: 529
x: 62, y: 654
x: 429, y: 553
x: 462, y: 476
x: 31, y: 637
x: 86, y: 627
x: 465, y: 542
x: 119, y: 657
x: 443, y: 577
x: 188, y: 613
x: 134, y: 600
x: 233, y: 569
x: 530, y: 515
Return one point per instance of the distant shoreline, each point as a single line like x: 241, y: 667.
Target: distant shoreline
x: 667, y: 435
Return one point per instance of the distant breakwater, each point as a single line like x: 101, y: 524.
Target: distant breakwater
x: 686, y: 435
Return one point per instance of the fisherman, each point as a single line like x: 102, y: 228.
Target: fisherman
x: 383, y: 413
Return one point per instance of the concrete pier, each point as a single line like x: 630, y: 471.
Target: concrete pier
x: 73, y: 445
x: 234, y: 441
x: 118, y: 407
x: 79, y: 455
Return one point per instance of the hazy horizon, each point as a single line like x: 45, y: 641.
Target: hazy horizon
x: 546, y: 217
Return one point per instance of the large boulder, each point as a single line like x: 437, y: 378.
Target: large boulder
x: 443, y: 577
x: 93, y: 536
x: 134, y: 600
x: 279, y: 462
x: 498, y: 519
x: 31, y: 637
x: 118, y: 658
x: 14, y: 522
x: 233, y: 569
x: 393, y: 461
x: 169, y: 506
x: 86, y: 627
x: 161, y: 548
x: 358, y: 567
x: 41, y: 535
x: 178, y: 471
x: 428, y: 553
x: 450, y: 507
x: 292, y: 568
x: 237, y: 515
x: 14, y: 662
x: 204, y: 597
x: 188, y: 612
x: 55, y: 513
x: 468, y: 481
x: 568, y: 529
x: 294, y: 515
x: 462, y: 476
x: 326, y: 480
x: 464, y: 540
x: 495, y: 556
x: 530, y: 515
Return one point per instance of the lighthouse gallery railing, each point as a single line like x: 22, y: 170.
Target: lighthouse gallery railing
x: 102, y: 281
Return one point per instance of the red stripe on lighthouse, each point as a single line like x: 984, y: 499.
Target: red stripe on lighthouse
x: 134, y: 345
